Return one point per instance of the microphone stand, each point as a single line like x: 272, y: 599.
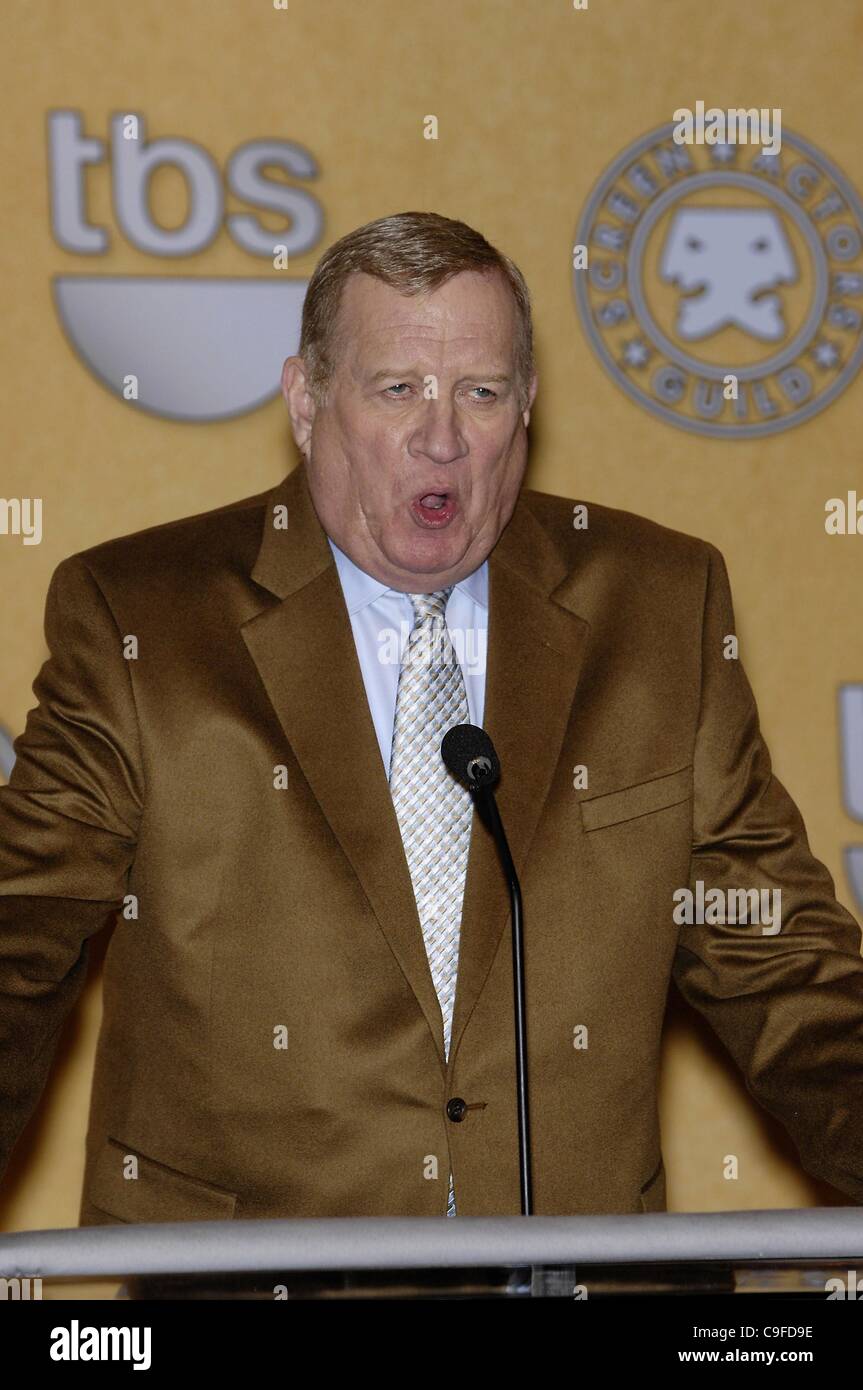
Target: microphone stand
x: 484, y: 800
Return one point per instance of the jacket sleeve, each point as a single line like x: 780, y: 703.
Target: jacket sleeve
x: 788, y: 1006
x: 68, y: 828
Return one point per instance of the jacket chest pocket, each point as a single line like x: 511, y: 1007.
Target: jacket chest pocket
x: 642, y: 799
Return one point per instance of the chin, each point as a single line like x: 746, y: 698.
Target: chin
x: 429, y: 557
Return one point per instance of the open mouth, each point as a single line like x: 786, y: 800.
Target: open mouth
x: 434, y: 509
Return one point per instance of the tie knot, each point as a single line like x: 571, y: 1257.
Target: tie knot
x: 430, y: 605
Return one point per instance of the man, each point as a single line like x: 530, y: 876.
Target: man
x: 308, y: 990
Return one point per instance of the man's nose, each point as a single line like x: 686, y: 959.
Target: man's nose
x: 437, y: 434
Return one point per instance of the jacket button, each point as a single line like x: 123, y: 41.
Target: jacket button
x: 455, y: 1108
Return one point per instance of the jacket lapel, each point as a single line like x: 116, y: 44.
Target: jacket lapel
x: 304, y: 651
x: 536, y: 645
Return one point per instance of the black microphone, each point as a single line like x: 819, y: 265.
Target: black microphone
x: 469, y: 754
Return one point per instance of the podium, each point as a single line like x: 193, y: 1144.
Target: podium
x: 775, y: 1251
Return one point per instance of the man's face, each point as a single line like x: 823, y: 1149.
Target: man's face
x: 416, y: 490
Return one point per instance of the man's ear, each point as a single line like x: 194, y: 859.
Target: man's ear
x: 531, y: 394
x: 301, y: 406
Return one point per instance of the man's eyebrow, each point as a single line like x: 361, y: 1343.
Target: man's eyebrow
x: 400, y: 372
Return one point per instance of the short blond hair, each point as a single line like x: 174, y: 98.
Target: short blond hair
x: 412, y: 252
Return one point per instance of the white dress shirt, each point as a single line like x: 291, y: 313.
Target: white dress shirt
x: 382, y: 620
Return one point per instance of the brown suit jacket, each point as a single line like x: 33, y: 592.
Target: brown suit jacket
x: 262, y: 907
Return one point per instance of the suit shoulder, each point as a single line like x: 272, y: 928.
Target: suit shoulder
x: 612, y: 534
x: 228, y: 535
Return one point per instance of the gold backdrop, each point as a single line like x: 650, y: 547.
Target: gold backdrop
x: 534, y: 99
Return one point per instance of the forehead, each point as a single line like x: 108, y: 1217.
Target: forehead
x: 469, y: 308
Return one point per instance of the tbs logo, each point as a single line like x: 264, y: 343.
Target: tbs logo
x: 183, y: 347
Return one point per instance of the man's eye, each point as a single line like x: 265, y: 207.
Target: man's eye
x: 399, y: 386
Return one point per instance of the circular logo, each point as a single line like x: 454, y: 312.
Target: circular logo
x: 721, y: 286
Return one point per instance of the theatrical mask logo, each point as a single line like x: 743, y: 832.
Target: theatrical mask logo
x: 724, y: 286
x: 724, y: 262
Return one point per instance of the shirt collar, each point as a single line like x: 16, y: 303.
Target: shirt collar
x: 361, y: 589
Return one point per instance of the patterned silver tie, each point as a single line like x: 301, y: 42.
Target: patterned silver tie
x: 434, y: 810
